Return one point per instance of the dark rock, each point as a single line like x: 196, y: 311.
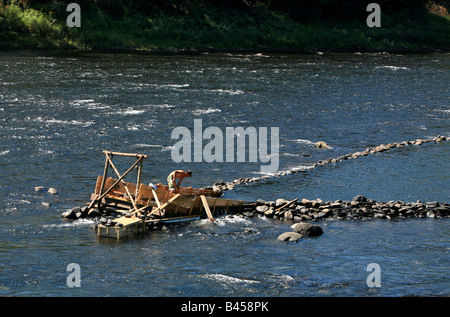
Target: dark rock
x: 288, y: 215
x: 94, y: 212
x: 69, y: 214
x: 335, y: 205
x: 306, y: 217
x: 323, y: 213
x: 262, y: 208
x: 269, y: 213
x: 433, y: 204
x: 260, y: 202
x: 360, y: 198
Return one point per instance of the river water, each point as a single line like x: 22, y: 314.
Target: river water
x: 59, y: 110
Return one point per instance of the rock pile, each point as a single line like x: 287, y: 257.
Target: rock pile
x: 104, y: 216
x: 358, y: 208
x: 221, y: 185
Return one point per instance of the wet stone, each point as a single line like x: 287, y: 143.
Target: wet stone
x: 290, y: 236
x: 52, y: 191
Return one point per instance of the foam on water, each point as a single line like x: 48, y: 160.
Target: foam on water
x: 221, y: 278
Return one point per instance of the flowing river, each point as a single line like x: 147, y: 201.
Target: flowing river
x: 59, y: 110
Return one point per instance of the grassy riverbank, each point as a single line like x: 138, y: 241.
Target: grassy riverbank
x: 210, y: 25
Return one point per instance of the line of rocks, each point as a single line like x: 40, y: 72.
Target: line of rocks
x: 104, y: 216
x: 358, y: 208
x: 221, y: 185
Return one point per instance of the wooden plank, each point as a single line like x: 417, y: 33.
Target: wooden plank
x: 214, y: 207
x: 125, y: 154
x: 156, y: 198
x: 97, y: 185
x: 193, y: 203
x: 144, y: 196
x: 171, y: 200
x: 105, y: 173
x: 171, y: 218
x: 205, y: 205
x: 127, y: 221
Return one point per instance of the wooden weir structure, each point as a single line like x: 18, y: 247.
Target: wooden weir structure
x: 142, y: 205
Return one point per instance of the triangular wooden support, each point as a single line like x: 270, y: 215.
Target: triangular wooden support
x: 108, y: 163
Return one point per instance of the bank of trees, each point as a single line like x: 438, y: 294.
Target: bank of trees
x: 298, y: 10
x: 242, y: 24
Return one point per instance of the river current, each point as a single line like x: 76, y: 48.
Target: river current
x: 59, y: 110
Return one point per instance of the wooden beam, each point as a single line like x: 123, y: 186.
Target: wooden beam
x: 171, y: 218
x: 125, y: 154
x: 139, y: 175
x: 206, y: 206
x: 171, y: 200
x: 105, y: 173
x: 156, y: 198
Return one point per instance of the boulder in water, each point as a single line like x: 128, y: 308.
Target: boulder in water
x: 52, y: 191
x: 307, y: 229
x: 321, y: 145
x: 290, y: 236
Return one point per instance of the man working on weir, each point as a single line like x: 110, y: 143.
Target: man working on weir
x: 178, y: 174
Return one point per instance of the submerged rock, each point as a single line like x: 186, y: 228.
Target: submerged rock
x: 39, y: 188
x: 290, y: 236
x: 52, y: 191
x: 307, y: 229
x: 360, y: 198
x: 321, y: 145
x: 71, y: 213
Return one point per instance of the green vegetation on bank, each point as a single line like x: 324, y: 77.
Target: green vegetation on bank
x: 412, y: 25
